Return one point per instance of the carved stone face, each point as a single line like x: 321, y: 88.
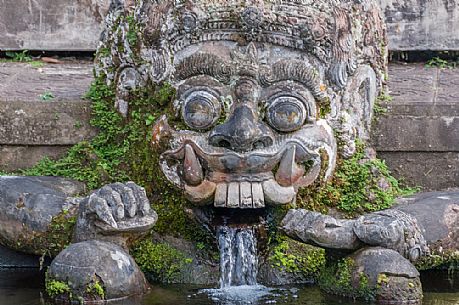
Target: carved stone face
x: 254, y: 136
x: 261, y: 92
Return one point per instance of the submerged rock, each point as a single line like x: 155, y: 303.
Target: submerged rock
x: 85, y: 265
x: 392, y: 277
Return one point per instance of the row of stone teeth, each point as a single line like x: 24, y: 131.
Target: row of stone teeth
x: 244, y: 195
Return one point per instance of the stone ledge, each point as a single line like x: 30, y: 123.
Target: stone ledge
x: 429, y: 170
x: 14, y: 157
x: 51, y: 123
x: 424, y: 113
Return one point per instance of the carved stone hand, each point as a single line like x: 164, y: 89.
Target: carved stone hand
x: 115, y: 209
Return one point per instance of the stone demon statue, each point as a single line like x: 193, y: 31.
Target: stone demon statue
x: 269, y: 95
x: 263, y: 88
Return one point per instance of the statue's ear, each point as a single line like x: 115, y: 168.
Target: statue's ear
x: 358, y: 100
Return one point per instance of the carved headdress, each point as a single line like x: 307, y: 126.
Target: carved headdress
x: 341, y: 34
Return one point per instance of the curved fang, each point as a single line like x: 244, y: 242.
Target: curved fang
x: 192, y: 169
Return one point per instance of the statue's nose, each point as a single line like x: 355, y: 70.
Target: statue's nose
x: 242, y: 132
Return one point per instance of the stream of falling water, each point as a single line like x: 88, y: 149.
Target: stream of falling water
x: 238, y: 268
x: 238, y: 256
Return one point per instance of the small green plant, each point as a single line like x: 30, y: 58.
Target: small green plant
x: 149, y: 119
x: 337, y: 279
x: 19, y: 56
x: 47, y: 96
x: 96, y: 289
x: 440, y: 63
x: 447, y: 260
x: 36, y: 64
x: 55, y: 288
x: 78, y: 125
x: 161, y: 262
x: 295, y: 257
x: 383, y: 98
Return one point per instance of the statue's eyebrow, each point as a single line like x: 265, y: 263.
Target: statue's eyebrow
x: 295, y: 70
x: 204, y: 64
x: 283, y: 70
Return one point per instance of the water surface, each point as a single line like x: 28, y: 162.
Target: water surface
x: 24, y: 287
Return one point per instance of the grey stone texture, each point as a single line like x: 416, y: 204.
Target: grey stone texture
x: 437, y: 213
x: 422, y: 24
x: 419, y: 135
x: 28, y: 205
x: 30, y: 127
x: 394, y: 278
x: 83, y: 264
x: 75, y: 25
x: 51, y: 25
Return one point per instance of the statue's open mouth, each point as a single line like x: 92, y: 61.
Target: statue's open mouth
x: 269, y: 175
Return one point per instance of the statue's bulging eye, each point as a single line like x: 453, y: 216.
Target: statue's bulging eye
x: 286, y: 113
x: 201, y: 110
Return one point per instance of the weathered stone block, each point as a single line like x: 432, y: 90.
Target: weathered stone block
x: 422, y: 24
x: 430, y: 170
x: 14, y: 157
x: 418, y: 133
x: 53, y: 123
x: 51, y: 24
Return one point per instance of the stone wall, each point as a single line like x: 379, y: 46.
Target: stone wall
x: 75, y: 24
x: 418, y: 136
x: 62, y: 25
x: 422, y: 24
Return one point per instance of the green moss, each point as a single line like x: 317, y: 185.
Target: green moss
x: 359, y: 185
x: 56, y: 288
x: 324, y: 110
x: 337, y: 279
x: 161, y: 262
x: 96, y: 289
x: 295, y: 257
x: 379, y: 107
x: 122, y: 152
x: 59, y: 235
x: 132, y: 30
x: 440, y: 63
x: 446, y: 260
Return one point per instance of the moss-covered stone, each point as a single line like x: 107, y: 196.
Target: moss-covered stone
x: 447, y: 260
x: 50, y: 242
x: 360, y: 184
x: 295, y: 257
x: 160, y: 262
x: 337, y: 279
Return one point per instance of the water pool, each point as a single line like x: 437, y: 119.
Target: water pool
x: 25, y: 287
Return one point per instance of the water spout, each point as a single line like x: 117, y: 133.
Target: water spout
x: 238, y: 256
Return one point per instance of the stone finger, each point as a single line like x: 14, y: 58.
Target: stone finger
x: 100, y: 207
x: 143, y: 204
x: 114, y: 201
x: 128, y: 198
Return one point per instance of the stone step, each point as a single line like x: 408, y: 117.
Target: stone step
x: 42, y: 111
x: 418, y: 136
